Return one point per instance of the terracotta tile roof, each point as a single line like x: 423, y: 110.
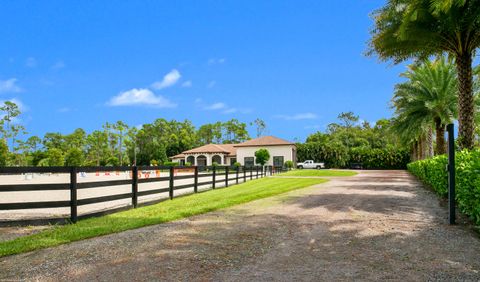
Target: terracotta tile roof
x: 178, y: 156
x: 264, y: 141
x: 214, y: 148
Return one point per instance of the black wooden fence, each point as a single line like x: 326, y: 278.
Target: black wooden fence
x: 229, y: 174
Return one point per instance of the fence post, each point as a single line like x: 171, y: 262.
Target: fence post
x: 134, y: 186
x: 236, y: 174
x: 244, y: 174
x: 226, y: 176
x: 73, y: 194
x: 195, y: 184
x: 256, y: 169
x: 170, y: 186
x: 251, y: 173
x: 451, y: 174
x: 213, y: 177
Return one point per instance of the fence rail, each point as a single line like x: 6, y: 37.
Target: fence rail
x: 218, y: 174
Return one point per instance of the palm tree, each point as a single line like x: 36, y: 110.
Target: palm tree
x: 427, y: 98
x: 406, y: 29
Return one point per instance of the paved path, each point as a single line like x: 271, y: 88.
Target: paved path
x: 379, y: 225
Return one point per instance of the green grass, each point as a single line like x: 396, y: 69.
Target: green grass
x: 318, y: 172
x: 159, y: 213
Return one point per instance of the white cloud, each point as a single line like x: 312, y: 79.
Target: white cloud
x: 187, y: 83
x: 224, y: 108
x: 214, y: 61
x: 216, y: 106
x: 137, y: 97
x: 31, y: 62
x: 58, y: 65
x: 299, y: 116
x: 9, y: 85
x: 168, y: 80
x: 211, y: 84
x: 230, y: 111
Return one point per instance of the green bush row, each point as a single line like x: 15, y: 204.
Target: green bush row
x: 467, y: 168
x: 340, y: 157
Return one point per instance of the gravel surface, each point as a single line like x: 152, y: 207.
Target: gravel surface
x: 378, y: 225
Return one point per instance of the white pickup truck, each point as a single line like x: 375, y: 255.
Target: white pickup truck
x: 310, y: 164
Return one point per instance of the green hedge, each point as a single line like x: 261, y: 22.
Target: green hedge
x: 340, y: 157
x: 433, y: 173
x: 380, y: 158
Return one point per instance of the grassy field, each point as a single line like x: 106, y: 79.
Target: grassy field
x: 155, y: 214
x: 318, y: 172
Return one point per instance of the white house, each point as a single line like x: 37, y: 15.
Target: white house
x: 227, y: 154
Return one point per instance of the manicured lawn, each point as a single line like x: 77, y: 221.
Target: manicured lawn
x: 317, y: 172
x: 155, y: 214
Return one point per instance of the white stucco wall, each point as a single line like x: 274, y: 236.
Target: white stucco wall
x: 275, y: 151
x: 208, y: 156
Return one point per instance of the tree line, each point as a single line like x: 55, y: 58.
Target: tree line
x: 115, y: 143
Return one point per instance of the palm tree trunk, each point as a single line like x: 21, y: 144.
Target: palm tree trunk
x: 421, y: 148
x: 466, y: 110
x: 440, y: 148
x: 429, y: 141
x: 414, y: 151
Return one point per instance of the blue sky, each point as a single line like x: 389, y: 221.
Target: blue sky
x: 295, y: 64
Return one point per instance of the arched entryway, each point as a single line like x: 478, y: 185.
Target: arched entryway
x: 191, y: 160
x: 217, y: 159
x: 202, y: 160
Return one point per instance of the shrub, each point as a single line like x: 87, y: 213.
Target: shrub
x: 188, y: 164
x: 171, y: 163
x: 467, y: 168
x: 237, y: 164
x: 289, y: 164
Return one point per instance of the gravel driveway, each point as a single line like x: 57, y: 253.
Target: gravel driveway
x: 378, y: 225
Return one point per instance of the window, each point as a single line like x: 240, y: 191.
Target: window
x: 278, y: 161
x: 249, y: 161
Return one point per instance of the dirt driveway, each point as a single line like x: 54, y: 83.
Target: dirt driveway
x: 378, y: 225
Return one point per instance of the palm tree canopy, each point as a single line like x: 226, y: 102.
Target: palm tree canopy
x: 429, y: 94
x: 407, y: 29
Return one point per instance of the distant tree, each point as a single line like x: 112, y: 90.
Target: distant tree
x: 348, y: 119
x: 8, y: 112
x: 262, y: 156
x: 33, y: 142
x: 55, y: 157
x: 54, y: 140
x: 74, y: 157
x: 121, y: 129
x: 260, y: 126
x: 235, y: 132
x: 3, y: 153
